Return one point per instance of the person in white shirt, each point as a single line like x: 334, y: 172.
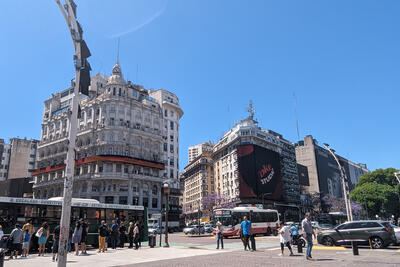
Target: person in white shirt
x: 284, y: 234
x: 220, y: 236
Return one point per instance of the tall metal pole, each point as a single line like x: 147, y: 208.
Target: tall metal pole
x: 345, y: 185
x: 166, y: 213
x: 69, y: 13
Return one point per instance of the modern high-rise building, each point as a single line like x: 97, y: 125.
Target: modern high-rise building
x: 126, y: 148
x: 195, y: 151
x: 323, y: 172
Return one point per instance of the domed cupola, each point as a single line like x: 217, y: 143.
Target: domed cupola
x: 116, y: 77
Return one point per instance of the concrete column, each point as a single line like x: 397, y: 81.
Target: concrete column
x: 89, y: 189
x: 140, y: 185
x: 159, y: 198
x: 150, y: 196
x: 130, y: 193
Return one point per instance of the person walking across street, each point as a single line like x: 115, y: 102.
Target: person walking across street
x: 308, y: 233
x: 284, y: 236
x: 56, y: 240
x: 16, y: 238
x: 114, y: 234
x: 77, y: 236
x: 25, y: 243
x: 43, y: 234
x: 136, y: 235
x: 28, y: 225
x: 130, y: 234
x: 220, y: 236
x: 103, y: 231
x: 245, y: 227
x: 294, y: 233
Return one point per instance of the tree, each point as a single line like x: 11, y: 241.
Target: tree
x: 334, y: 204
x: 379, y: 193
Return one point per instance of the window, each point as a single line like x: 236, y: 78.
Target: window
x: 171, y: 125
x: 145, y: 201
x: 114, y: 91
x: 123, y: 200
x: 109, y: 199
x: 165, y: 113
x: 171, y: 148
x: 171, y: 138
x: 126, y: 169
x: 121, y: 122
x: 154, y: 190
x: 165, y: 147
x: 135, y: 201
x: 100, y: 168
x: 119, y: 91
x: 154, y: 203
x: 171, y: 162
x: 111, y: 121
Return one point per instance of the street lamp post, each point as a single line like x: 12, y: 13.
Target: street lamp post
x: 198, y: 213
x: 81, y: 85
x: 166, y: 213
x: 344, y: 182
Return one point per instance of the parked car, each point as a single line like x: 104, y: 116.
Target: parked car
x: 379, y: 233
x: 208, y: 228
x: 326, y: 226
x: 194, y: 229
x: 315, y: 224
x: 396, y: 232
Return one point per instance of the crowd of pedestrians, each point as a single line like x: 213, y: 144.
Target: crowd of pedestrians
x: 117, y: 234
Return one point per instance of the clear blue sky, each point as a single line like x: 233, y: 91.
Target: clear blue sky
x: 341, y: 58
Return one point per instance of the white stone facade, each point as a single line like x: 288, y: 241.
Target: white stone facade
x: 197, y: 150
x: 120, y: 143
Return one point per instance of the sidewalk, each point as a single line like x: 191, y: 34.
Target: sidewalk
x: 112, y: 257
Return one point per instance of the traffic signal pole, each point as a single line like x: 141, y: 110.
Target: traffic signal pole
x: 69, y: 12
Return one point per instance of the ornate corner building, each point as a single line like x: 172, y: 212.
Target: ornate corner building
x: 127, y: 143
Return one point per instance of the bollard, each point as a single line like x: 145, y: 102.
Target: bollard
x: 355, y: 248
x: 299, y: 247
x: 2, y: 255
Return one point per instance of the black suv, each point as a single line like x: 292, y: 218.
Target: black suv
x: 378, y: 234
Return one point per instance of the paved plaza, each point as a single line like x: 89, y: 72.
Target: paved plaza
x: 201, y: 251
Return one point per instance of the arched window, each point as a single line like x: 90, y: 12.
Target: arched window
x: 155, y: 189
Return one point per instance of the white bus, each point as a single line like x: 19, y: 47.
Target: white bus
x: 263, y: 221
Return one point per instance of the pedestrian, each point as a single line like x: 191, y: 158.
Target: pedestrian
x: 122, y: 234
x: 136, y: 235
x: 25, y: 243
x: 1, y: 232
x: 220, y: 236
x: 130, y: 234
x: 295, y: 233
x: 85, y: 229
x: 77, y: 236
x: 28, y: 225
x: 308, y: 233
x: 245, y: 227
x: 103, y: 231
x: 70, y: 232
x: 16, y: 238
x: 284, y: 236
x: 56, y: 240
x: 43, y: 234
x: 114, y: 234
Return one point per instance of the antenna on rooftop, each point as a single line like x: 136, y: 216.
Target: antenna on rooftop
x: 137, y: 73
x: 297, y: 119
x: 118, y: 50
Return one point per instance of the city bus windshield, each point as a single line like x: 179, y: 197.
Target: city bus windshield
x: 224, y: 216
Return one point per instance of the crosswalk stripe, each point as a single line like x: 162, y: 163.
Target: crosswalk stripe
x: 273, y: 248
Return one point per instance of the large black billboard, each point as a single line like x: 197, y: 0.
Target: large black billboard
x: 259, y: 172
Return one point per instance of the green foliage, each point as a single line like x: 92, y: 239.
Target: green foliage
x: 379, y: 192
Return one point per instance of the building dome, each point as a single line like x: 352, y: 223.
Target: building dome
x: 116, y: 76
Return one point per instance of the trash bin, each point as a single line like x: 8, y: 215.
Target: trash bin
x: 152, y: 241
